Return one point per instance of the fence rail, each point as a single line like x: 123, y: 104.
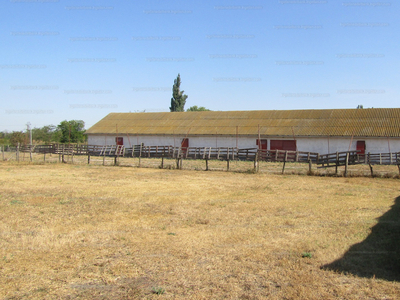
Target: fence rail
x: 150, y: 151
x: 214, y: 153
x: 287, y: 156
x: 108, y: 150
x: 339, y: 159
x: 207, y: 153
x: 381, y: 158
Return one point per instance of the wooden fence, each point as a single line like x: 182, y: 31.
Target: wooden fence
x: 336, y: 159
x: 381, y: 158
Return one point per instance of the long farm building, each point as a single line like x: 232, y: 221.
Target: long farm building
x: 372, y: 130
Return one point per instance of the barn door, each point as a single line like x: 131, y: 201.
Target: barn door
x: 361, y: 147
x: 184, y: 145
x: 289, y: 145
x: 119, y: 141
x: 263, y: 146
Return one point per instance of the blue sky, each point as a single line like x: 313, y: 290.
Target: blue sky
x: 65, y: 59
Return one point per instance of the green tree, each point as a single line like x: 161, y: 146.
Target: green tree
x: 71, y: 131
x: 18, y: 137
x: 178, y: 99
x: 5, y: 138
x: 45, y: 134
x: 196, y: 108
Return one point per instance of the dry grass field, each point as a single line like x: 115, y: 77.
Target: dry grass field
x: 93, y: 232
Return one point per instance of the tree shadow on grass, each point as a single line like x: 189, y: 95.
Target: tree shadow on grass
x: 379, y: 254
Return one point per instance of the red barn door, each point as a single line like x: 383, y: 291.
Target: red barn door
x: 361, y: 147
x: 119, y: 141
x: 184, y: 145
x: 262, y: 145
x: 289, y: 145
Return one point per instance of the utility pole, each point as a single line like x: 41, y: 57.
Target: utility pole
x: 29, y: 129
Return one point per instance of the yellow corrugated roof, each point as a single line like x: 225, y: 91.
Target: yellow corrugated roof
x: 374, y: 122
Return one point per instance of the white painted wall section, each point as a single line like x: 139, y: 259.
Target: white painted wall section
x: 319, y: 145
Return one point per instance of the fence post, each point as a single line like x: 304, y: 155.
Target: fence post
x: 372, y: 170
x: 17, y: 153
x: 227, y: 164
x: 88, y: 159
x: 398, y: 161
x: 284, y: 162
x: 2, y: 152
x: 337, y: 162
x: 256, y: 162
x: 206, y: 164
x: 347, y: 163
x: 30, y: 152
x: 63, y: 147
x: 309, y: 166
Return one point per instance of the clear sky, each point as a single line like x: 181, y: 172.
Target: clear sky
x: 65, y: 59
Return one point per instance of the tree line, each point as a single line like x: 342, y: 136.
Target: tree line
x: 73, y: 131
x: 66, y: 132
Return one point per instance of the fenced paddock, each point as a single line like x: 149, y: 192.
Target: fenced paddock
x: 78, y: 231
x: 209, y: 158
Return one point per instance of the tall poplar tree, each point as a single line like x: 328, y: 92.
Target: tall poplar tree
x: 178, y: 99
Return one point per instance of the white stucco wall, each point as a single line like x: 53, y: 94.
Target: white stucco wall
x: 331, y: 145
x: 175, y: 141
x: 320, y: 145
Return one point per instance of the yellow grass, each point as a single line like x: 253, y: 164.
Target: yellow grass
x: 94, y: 232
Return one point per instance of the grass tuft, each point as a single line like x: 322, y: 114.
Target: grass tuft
x: 158, y: 290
